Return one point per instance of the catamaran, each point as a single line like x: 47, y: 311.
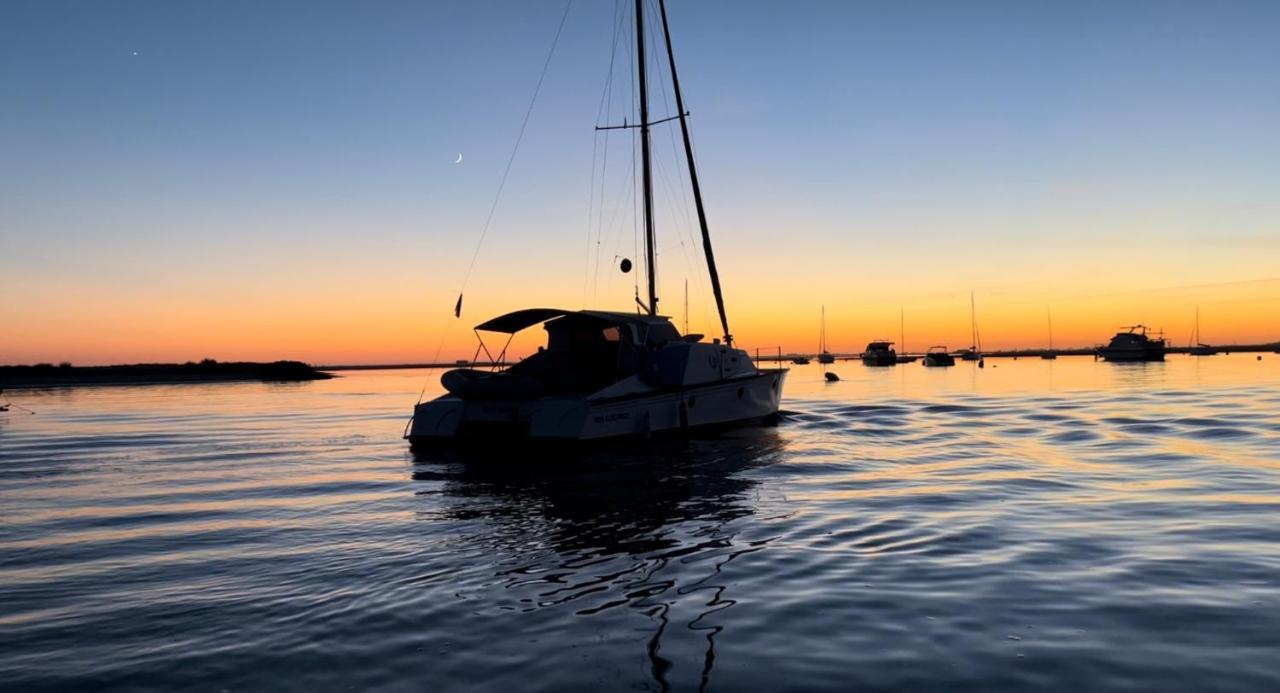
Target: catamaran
x: 608, y: 374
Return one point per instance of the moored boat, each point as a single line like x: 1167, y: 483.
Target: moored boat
x: 974, y: 352
x: 937, y: 356
x: 604, y: 374
x: 879, y: 353
x: 1197, y: 347
x: 824, y: 356
x: 1049, y: 355
x: 1133, y: 344
x: 902, y: 338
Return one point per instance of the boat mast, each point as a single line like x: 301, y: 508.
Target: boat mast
x: 646, y: 175
x: 902, y: 329
x: 693, y: 177
x: 973, y: 323
x: 822, y: 332
x: 1050, y: 312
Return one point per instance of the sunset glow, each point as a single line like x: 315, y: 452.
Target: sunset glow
x: 193, y: 186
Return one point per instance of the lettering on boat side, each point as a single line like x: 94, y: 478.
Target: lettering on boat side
x: 606, y: 418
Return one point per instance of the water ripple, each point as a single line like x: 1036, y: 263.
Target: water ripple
x: 1113, y: 536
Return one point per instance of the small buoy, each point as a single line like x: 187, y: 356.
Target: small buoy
x: 982, y: 363
x: 625, y: 265
x: 832, y: 377
x: 1259, y: 358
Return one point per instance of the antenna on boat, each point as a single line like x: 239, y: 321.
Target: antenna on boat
x: 693, y: 172
x: 686, y: 306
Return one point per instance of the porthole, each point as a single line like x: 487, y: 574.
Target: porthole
x: 741, y: 392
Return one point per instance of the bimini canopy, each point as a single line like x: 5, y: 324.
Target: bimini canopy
x: 521, y: 319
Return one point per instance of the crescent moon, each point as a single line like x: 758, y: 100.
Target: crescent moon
x: 459, y: 158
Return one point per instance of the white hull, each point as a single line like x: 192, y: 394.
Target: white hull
x: 741, y: 399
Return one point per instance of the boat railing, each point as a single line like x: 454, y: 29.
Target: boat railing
x: 776, y: 356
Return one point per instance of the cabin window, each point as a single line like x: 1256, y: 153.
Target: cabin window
x: 612, y: 334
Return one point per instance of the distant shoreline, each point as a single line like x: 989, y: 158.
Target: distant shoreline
x: 66, y: 375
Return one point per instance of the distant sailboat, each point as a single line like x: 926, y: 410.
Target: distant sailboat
x: 1050, y: 354
x: 902, y: 338
x: 824, y: 356
x: 1198, y: 348
x: 974, y: 352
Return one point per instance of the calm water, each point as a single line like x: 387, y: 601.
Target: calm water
x: 1062, y: 525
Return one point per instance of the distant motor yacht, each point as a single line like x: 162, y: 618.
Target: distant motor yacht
x: 1133, y: 344
x: 880, y: 353
x: 937, y: 356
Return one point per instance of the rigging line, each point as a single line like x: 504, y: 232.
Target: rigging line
x: 663, y: 87
x: 591, y: 199
x: 635, y: 143
x: 670, y: 196
x: 616, y: 222
x: 606, y: 108
x: 524, y: 124
x: 635, y: 210
x: 701, y: 279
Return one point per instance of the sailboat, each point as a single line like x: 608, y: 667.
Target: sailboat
x: 974, y: 352
x: 902, y: 338
x: 1050, y: 354
x: 604, y: 374
x: 824, y: 356
x: 1198, y: 348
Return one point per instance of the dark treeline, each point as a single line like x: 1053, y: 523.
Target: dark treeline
x: 50, y: 375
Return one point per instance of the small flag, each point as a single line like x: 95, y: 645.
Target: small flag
x: 457, y: 309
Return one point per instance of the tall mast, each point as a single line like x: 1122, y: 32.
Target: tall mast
x: 647, y: 175
x: 1050, y: 311
x: 973, y: 323
x: 902, y: 329
x: 693, y: 177
x: 822, y: 332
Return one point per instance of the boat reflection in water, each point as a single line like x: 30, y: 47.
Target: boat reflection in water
x: 621, y: 536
